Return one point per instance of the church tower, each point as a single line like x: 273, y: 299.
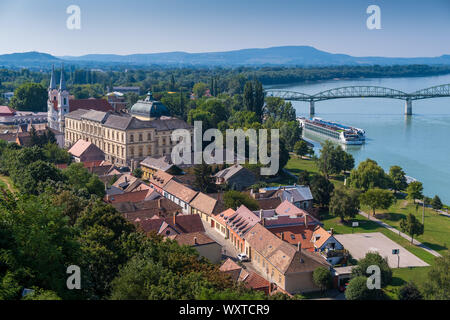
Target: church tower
x: 58, y: 102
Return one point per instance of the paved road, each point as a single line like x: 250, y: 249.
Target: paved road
x: 228, y: 250
x: 407, y: 237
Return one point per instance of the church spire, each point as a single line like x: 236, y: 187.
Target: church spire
x: 62, y: 82
x: 53, y: 79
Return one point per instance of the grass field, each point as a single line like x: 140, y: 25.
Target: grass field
x: 437, y: 227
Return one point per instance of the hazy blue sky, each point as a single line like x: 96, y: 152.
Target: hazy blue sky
x: 409, y: 27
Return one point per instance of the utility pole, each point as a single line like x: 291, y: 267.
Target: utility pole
x: 423, y: 211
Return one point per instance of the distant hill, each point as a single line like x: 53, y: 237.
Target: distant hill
x: 27, y: 59
x: 275, y: 56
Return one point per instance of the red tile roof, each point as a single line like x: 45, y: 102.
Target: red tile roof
x: 6, y: 111
x: 192, y: 239
x: 255, y: 281
x: 129, y: 196
x: 90, y: 104
x: 183, y: 223
x: 294, y: 235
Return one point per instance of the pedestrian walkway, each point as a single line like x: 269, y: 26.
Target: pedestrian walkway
x: 403, y: 235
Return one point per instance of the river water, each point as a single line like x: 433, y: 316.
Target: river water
x: 420, y: 143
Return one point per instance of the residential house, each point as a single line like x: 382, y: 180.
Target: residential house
x: 138, y: 211
x: 249, y: 278
x: 299, y: 195
x: 84, y: 151
x: 180, y: 194
x: 206, y: 206
x: 286, y: 265
x: 177, y: 224
x: 136, y: 196
x: 327, y: 245
x: 220, y: 223
x: 205, y: 246
x: 159, y: 180
x: 236, y: 176
x: 151, y: 165
x: 238, y: 224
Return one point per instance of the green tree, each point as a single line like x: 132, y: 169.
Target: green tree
x: 437, y: 286
x: 301, y: 148
x: 321, y: 189
x: 344, y: 203
x: 29, y: 97
x: 138, y: 173
x: 36, y: 173
x: 357, y: 290
x: 96, y: 186
x: 234, y: 199
x: 377, y: 199
x: 414, y: 190
x: 304, y: 178
x: 409, y: 291
x: 322, y: 278
x: 249, y: 100
x: 369, y: 175
x: 54, y: 154
x: 200, y: 89
x: 371, y: 259
x: 436, y: 203
x: 333, y: 159
x: 398, y: 178
x: 204, y: 180
x: 411, y: 226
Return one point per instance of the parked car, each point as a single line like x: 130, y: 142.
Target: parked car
x: 242, y: 257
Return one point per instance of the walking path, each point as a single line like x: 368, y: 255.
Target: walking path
x: 391, y: 228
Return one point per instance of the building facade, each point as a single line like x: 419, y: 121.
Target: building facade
x: 126, y: 139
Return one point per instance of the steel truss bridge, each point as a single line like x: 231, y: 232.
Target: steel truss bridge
x: 363, y: 92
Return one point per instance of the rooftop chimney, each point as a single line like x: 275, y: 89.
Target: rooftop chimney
x: 331, y: 231
x: 282, y: 235
x: 299, y: 247
x: 195, y: 241
x: 260, y: 214
x: 306, y: 220
x: 174, y: 219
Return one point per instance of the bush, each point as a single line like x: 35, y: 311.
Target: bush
x: 409, y: 291
x: 322, y: 278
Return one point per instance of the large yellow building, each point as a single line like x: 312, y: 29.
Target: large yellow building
x: 126, y: 139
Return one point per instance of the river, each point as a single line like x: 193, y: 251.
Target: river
x: 420, y: 144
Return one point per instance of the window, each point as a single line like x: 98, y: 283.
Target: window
x: 140, y: 137
x: 149, y: 136
x: 131, y: 138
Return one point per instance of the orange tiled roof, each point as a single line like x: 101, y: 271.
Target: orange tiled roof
x: 180, y: 191
x: 323, y: 235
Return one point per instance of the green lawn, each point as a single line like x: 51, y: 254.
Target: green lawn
x: 437, y: 227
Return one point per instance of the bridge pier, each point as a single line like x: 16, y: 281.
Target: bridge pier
x: 408, y: 107
x: 312, y: 109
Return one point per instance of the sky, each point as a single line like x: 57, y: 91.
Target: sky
x: 409, y: 28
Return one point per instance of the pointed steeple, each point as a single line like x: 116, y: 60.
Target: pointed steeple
x: 53, y: 79
x: 62, y: 82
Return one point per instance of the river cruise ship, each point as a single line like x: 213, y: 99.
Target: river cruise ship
x: 333, y: 130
